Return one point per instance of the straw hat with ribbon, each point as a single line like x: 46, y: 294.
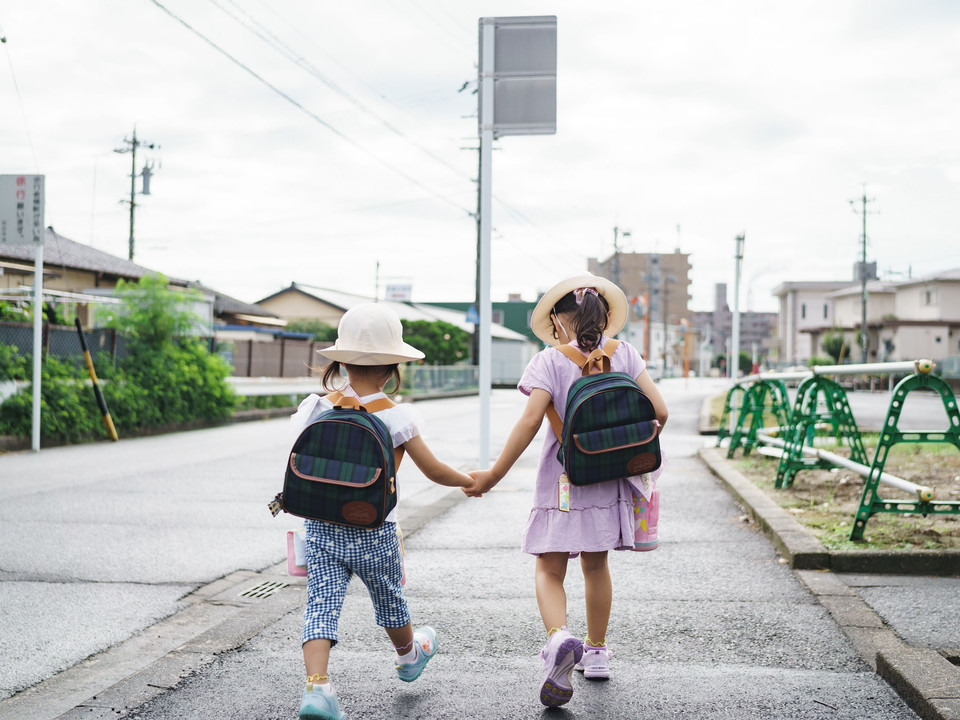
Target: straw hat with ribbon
x: 370, y: 334
x: 542, y: 325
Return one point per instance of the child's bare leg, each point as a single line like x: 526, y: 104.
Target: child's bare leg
x: 551, y: 598
x: 402, y: 638
x: 316, y: 656
x: 599, y: 594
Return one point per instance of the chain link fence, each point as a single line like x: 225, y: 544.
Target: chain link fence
x: 62, y: 342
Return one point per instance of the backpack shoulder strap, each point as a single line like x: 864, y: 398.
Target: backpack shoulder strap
x: 338, y: 399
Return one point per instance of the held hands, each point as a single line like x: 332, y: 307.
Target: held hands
x: 484, y: 481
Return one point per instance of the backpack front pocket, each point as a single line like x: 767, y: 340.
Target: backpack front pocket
x: 337, y: 472
x: 617, y: 438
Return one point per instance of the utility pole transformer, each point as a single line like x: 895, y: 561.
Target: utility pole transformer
x: 131, y: 147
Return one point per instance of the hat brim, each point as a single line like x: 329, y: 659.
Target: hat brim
x: 361, y: 357
x: 542, y: 325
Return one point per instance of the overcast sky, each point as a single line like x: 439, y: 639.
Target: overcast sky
x: 684, y: 122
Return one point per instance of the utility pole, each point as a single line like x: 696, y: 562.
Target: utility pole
x: 131, y: 147
x: 864, y: 337
x: 617, y: 234
x: 735, y: 353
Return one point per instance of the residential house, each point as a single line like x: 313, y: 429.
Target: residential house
x: 925, y: 321
x: 510, y: 350
x: 906, y: 320
x: 804, y: 306
x: 847, y: 319
x: 78, y: 276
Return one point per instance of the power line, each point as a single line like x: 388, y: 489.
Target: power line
x: 23, y: 112
x: 297, y: 59
x: 305, y: 110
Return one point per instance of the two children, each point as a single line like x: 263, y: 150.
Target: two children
x: 581, y: 311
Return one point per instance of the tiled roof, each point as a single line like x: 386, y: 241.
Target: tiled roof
x: 58, y: 250
x: 61, y: 251
x: 226, y: 304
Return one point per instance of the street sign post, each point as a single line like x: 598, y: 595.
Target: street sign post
x: 518, y: 96
x: 22, y: 200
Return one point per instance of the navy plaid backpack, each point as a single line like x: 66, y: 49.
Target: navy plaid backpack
x: 609, y: 431
x: 343, y: 467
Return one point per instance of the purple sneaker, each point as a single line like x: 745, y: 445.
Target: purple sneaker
x: 560, y: 654
x: 595, y: 663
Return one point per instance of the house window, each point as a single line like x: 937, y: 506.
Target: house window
x: 497, y: 317
x: 803, y: 311
x: 824, y: 311
x: 929, y: 296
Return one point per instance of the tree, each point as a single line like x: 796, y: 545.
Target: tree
x: 321, y: 331
x: 151, y: 313
x: 440, y: 342
x: 169, y: 375
x: 834, y: 345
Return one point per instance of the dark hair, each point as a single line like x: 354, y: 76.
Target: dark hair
x: 589, y: 318
x: 332, y: 376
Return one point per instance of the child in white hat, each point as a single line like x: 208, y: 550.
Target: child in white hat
x: 583, y: 311
x: 369, y: 347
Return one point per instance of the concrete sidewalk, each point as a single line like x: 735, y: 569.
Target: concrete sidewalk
x: 713, y: 624
x: 900, y: 609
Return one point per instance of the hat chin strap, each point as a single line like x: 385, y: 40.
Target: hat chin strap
x: 562, y: 328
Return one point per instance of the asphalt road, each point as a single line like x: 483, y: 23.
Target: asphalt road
x: 97, y: 543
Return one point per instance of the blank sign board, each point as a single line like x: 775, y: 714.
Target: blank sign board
x: 525, y: 75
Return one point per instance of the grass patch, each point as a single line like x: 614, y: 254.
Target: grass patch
x: 825, y: 501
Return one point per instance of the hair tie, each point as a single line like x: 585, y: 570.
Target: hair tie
x: 579, y: 293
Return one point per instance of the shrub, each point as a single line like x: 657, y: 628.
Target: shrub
x: 68, y: 410
x: 13, y: 365
x: 165, y: 378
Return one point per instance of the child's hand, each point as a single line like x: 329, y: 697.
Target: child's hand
x: 468, y: 490
x: 485, y: 480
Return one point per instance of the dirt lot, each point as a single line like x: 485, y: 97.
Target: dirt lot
x: 826, y: 500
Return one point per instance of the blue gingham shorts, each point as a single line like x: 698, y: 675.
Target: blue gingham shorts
x: 335, y: 553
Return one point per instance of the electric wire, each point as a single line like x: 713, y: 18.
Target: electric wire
x: 23, y: 111
x: 306, y: 110
x: 283, y: 48
x: 301, y: 62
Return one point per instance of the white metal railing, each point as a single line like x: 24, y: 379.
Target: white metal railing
x: 886, y: 368
x: 921, y: 491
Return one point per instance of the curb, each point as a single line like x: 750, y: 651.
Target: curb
x: 801, y: 548
x: 927, y: 680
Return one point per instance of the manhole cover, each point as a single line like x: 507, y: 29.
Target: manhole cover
x: 264, y: 589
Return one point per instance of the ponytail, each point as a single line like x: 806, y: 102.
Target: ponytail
x: 589, y: 317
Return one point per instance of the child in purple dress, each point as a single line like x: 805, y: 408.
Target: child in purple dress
x: 582, y: 311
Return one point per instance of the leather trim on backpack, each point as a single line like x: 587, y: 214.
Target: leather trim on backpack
x: 295, y: 471
x: 654, y: 424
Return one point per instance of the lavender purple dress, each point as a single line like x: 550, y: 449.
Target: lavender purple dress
x: 601, y: 515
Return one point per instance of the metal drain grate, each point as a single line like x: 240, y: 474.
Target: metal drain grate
x: 264, y: 589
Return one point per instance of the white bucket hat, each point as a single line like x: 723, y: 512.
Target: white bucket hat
x: 370, y: 334
x: 542, y: 325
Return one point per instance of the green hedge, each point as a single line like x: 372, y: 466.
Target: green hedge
x: 183, y: 384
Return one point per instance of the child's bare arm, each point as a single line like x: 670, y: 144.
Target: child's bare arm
x: 435, y: 470
x: 521, y: 435
x: 651, y: 390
